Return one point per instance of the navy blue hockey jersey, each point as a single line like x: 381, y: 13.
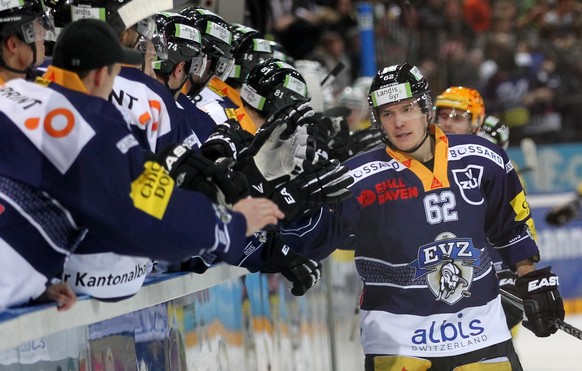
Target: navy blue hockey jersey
x: 68, y: 166
x: 422, y: 241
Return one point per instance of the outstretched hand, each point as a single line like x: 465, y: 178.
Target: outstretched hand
x: 258, y: 212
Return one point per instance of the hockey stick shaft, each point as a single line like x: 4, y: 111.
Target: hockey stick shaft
x: 333, y: 74
x: 558, y: 323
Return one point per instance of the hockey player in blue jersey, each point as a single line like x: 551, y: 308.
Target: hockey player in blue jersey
x: 23, y: 26
x: 71, y: 172
x: 424, y: 210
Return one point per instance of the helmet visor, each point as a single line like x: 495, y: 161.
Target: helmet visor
x: 147, y: 27
x: 405, y: 110
x: 452, y: 114
x: 160, y: 45
x: 39, y: 29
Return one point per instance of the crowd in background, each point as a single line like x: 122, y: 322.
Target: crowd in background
x: 522, y: 56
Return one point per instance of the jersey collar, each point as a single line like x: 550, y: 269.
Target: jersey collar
x: 67, y: 79
x: 430, y: 179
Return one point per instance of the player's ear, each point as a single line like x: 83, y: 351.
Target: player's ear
x: 178, y: 70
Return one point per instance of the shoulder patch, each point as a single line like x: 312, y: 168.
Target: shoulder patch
x: 48, y: 119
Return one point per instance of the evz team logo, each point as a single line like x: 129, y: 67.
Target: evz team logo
x: 469, y: 182
x: 448, y: 263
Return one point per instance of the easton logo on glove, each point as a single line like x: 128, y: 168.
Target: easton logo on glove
x: 174, y: 156
x: 542, y: 302
x: 287, y: 196
x: 544, y: 282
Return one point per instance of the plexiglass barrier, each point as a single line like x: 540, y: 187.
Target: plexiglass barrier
x: 223, y: 319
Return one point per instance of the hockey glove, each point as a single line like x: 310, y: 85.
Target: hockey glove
x: 563, y: 214
x: 284, y: 133
x: 341, y: 145
x: 279, y: 157
x: 541, y: 301
x: 333, y: 135
x: 191, y: 170
x: 366, y: 139
x: 323, y: 183
x: 301, y: 272
x: 513, y: 314
x: 227, y: 140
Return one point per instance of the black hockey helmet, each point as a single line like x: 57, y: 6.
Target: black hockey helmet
x: 495, y: 130
x: 216, y: 38
x: 395, y: 83
x: 30, y: 21
x: 20, y: 20
x: 182, y: 42
x: 272, y: 85
x: 281, y: 53
x: 250, y: 49
x: 67, y: 11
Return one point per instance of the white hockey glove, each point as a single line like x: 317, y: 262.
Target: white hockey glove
x: 283, y: 142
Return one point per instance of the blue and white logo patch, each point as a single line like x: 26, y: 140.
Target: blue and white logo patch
x: 469, y: 182
x: 449, y: 265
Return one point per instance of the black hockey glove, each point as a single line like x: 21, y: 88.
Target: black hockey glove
x: 320, y: 131
x: 513, y: 314
x: 366, y: 139
x: 318, y: 185
x: 191, y: 170
x: 333, y: 135
x: 541, y: 301
x: 301, y: 272
x: 323, y: 183
x: 562, y: 214
x: 226, y: 140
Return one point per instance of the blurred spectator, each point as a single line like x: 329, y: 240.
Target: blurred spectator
x: 530, y: 20
x: 568, y: 53
x: 565, y: 15
x: 331, y: 51
x: 430, y: 23
x: 456, y: 26
x: 295, y: 24
x: 478, y: 14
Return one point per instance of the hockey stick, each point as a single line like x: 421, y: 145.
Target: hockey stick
x: 332, y: 74
x: 530, y: 154
x: 136, y: 10
x: 558, y: 323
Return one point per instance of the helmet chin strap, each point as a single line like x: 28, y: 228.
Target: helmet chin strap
x: 415, y: 148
